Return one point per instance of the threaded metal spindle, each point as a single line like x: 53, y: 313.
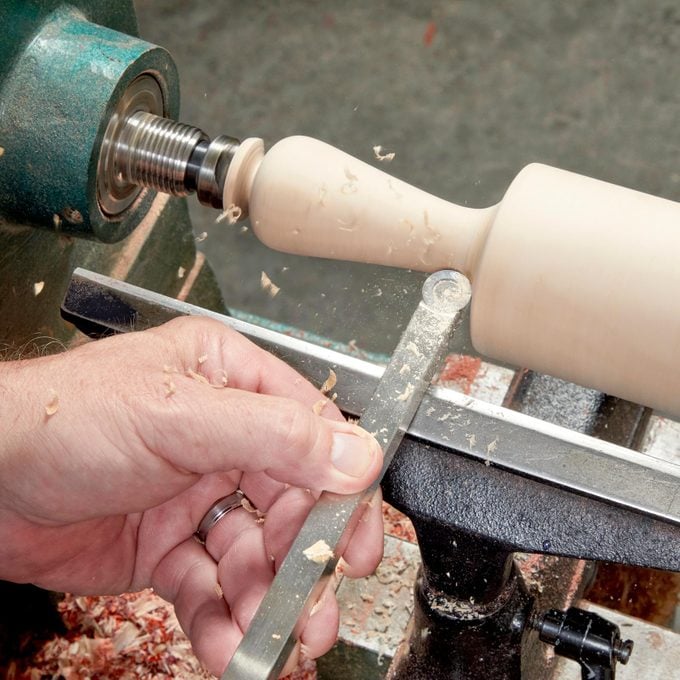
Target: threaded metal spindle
x: 154, y: 152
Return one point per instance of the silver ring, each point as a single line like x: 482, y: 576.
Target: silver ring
x: 219, y: 509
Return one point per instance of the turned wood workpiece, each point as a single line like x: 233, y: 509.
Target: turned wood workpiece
x: 571, y: 276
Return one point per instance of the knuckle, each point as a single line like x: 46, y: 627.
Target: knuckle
x: 298, y: 432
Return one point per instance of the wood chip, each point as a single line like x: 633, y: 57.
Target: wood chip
x: 249, y: 507
x: 197, y: 376
x: 276, y: 636
x: 318, y: 552
x: 181, y: 271
x: 170, y: 387
x: 383, y: 157
x: 52, y: 405
x: 267, y: 285
x: 2, y: 151
x: 38, y: 287
x: 232, y: 214
x: 202, y: 379
x: 319, y: 406
x: 406, y: 394
x: 329, y: 383
x: 202, y: 359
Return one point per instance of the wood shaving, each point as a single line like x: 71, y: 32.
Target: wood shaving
x: 232, y: 214
x: 38, y: 288
x: 201, y: 237
x: 330, y: 382
x: 202, y: 379
x: 319, y: 406
x: 380, y: 156
x: 117, y: 637
x: 56, y: 221
x: 267, y: 285
x: 406, y: 394
x: 350, y: 175
x: 197, y: 376
x: 218, y: 591
x: 202, y: 359
x: 181, y: 271
x: 52, y: 405
x: 72, y: 215
x: 170, y: 387
x: 249, y: 507
x: 276, y: 636
x: 318, y: 552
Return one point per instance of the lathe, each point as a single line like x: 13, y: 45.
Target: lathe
x: 566, y: 276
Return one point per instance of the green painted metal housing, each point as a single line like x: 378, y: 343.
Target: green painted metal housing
x: 63, y: 68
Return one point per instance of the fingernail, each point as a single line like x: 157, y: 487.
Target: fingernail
x: 351, y: 454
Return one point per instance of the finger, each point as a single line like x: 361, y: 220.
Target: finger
x: 163, y: 527
x: 321, y: 629
x: 188, y: 578
x: 202, y: 430
x: 245, y: 573
x: 283, y: 521
x: 365, y: 549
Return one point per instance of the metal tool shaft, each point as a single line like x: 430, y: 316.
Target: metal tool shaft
x: 527, y: 446
x: 300, y: 580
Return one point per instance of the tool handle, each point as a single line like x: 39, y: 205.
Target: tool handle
x: 309, y: 198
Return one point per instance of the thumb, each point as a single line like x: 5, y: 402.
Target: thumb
x: 207, y: 431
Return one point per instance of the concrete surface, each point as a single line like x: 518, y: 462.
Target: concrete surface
x: 465, y: 93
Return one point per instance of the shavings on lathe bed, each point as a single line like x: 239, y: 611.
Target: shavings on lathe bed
x: 126, y: 637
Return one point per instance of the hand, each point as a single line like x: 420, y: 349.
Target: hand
x: 113, y: 452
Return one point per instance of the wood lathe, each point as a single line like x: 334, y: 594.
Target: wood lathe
x: 570, y: 276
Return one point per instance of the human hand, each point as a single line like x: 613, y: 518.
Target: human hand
x: 113, y: 452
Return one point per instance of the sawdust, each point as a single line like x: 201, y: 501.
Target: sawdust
x: 52, y: 405
x: 268, y: 285
x: 383, y: 157
x: 38, y: 288
x: 319, y: 552
x: 232, y: 214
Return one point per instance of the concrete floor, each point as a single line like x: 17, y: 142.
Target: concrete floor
x: 464, y: 92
